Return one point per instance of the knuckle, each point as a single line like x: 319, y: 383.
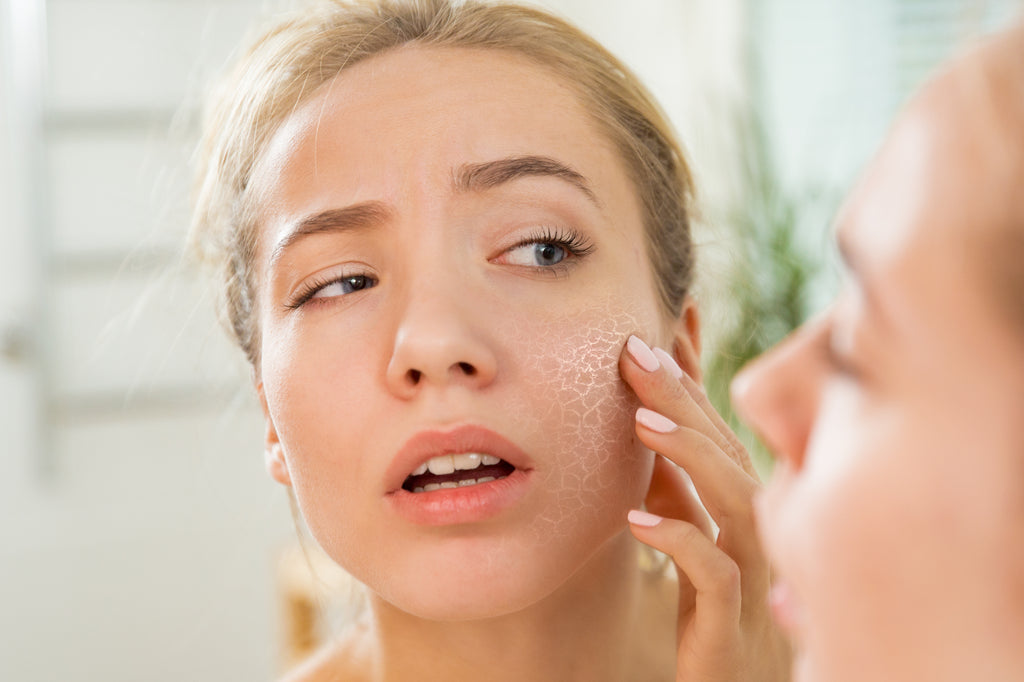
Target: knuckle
x: 669, y: 388
x: 728, y: 578
x: 687, y: 534
x: 739, y: 512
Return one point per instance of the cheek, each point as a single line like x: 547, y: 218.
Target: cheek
x: 578, y: 415
x: 314, y: 411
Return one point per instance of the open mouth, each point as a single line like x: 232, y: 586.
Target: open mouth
x: 456, y: 471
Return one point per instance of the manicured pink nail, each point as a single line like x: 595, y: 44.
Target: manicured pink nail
x: 668, y: 362
x: 642, y: 518
x: 654, y: 421
x: 642, y: 354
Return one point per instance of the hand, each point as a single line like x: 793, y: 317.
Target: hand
x: 725, y: 632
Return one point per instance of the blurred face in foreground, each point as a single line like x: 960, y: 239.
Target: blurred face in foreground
x: 896, y: 513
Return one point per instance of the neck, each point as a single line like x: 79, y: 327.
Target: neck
x: 594, y: 627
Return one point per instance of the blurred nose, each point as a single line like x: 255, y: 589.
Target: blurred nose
x: 440, y: 341
x: 777, y: 394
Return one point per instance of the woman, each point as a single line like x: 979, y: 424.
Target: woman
x: 896, y: 513
x: 443, y: 232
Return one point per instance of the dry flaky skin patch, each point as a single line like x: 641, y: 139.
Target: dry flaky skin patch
x: 588, y: 427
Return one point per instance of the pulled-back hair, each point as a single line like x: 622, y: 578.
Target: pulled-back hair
x: 291, y: 61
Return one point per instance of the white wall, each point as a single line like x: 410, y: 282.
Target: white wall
x: 139, y: 531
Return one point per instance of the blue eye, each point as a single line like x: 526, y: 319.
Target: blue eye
x: 534, y: 254
x: 548, y: 248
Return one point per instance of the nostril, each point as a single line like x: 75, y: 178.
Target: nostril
x: 414, y: 376
x: 467, y: 369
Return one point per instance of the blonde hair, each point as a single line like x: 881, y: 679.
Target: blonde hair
x: 289, y: 63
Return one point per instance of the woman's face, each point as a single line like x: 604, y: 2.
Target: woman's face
x: 896, y: 513
x: 451, y: 257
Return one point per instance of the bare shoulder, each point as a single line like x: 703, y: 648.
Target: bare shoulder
x: 346, y: 659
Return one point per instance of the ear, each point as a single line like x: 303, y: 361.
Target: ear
x: 686, y: 339
x: 273, y: 453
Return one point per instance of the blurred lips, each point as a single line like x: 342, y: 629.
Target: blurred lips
x: 785, y: 608
x: 468, y: 504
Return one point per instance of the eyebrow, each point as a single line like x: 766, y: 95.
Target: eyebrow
x: 467, y: 178
x: 490, y: 174
x: 348, y: 219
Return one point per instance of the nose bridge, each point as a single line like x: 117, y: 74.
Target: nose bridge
x: 439, y: 336
x: 778, y: 394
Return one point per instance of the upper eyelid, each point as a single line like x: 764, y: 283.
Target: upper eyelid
x: 575, y: 240
x: 836, y: 356
x: 310, y: 285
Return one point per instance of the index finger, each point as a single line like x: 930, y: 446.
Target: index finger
x: 662, y: 386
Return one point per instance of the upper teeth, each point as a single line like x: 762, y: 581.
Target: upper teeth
x: 446, y: 464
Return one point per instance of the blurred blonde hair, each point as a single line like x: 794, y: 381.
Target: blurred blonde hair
x: 295, y: 57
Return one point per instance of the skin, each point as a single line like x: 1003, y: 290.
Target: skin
x: 462, y: 326
x: 894, y: 516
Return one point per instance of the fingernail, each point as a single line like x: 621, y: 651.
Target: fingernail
x: 642, y: 518
x: 668, y: 362
x: 654, y: 421
x: 642, y: 354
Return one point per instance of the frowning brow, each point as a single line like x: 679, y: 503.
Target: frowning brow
x: 355, y: 217
x: 481, y: 176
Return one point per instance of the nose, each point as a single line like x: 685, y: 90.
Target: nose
x: 440, y: 341
x: 777, y: 394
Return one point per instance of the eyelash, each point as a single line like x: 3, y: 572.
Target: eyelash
x: 308, y: 291
x: 575, y: 244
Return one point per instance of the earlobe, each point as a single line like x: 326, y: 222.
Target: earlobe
x: 686, y: 335
x: 277, y: 467
x: 273, y: 452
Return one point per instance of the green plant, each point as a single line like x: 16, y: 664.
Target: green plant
x: 768, y: 280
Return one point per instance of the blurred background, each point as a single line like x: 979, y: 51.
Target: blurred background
x: 140, y: 537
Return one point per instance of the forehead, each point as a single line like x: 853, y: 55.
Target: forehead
x: 943, y: 185
x: 921, y: 226
x: 398, y: 122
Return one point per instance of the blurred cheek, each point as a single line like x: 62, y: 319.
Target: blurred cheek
x: 834, y: 529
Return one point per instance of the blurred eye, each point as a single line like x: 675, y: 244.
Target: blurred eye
x: 534, y: 254
x: 836, y: 346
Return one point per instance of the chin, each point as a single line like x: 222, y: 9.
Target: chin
x: 466, y: 579
x: 464, y: 605
x: 475, y: 589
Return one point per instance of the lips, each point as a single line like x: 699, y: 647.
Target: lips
x: 463, y: 475
x: 456, y: 471
x: 416, y: 454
